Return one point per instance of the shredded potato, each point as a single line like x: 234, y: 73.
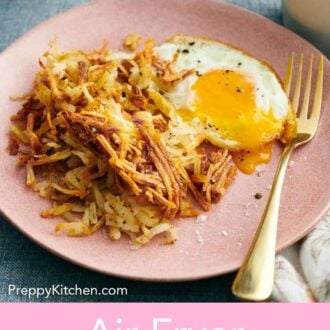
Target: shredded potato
x: 99, y: 140
x: 132, y: 41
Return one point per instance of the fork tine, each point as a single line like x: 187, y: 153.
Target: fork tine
x: 296, y: 95
x: 304, y: 107
x: 288, y: 75
x: 315, y: 114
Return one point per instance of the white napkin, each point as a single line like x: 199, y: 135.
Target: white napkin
x: 302, y: 272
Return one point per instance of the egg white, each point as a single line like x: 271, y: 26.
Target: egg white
x: 205, y: 55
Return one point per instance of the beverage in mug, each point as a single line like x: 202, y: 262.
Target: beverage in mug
x: 310, y: 19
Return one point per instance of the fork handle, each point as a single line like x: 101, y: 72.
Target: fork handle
x: 254, y: 281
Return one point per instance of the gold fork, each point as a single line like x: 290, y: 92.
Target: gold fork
x: 254, y: 281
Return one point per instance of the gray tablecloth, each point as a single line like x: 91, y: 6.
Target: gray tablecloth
x: 24, y: 264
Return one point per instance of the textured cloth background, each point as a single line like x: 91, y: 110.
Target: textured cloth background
x: 25, y: 264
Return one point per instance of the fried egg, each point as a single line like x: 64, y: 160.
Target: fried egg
x: 238, y: 99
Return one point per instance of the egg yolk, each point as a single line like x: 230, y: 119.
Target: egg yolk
x: 247, y: 160
x: 227, y: 99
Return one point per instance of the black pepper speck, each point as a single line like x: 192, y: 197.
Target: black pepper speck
x: 258, y: 195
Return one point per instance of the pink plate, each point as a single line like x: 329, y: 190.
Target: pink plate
x: 202, y: 250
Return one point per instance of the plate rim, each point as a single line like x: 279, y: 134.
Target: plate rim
x: 142, y: 278
x: 147, y: 278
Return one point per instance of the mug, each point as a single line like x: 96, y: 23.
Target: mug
x: 310, y: 19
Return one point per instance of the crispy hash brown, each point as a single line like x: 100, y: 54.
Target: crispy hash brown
x: 106, y: 148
